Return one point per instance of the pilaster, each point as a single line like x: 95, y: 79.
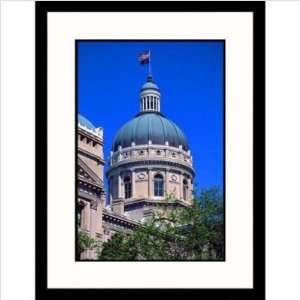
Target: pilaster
x: 120, y: 192
x: 149, y: 183
x: 133, y: 184
x: 180, y: 186
x: 87, y: 216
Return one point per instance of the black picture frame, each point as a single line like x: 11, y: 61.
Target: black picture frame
x: 258, y: 9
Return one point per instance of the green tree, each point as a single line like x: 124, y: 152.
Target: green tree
x: 192, y: 233
x: 85, y: 242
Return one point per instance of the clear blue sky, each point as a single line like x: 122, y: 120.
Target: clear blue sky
x: 190, y: 78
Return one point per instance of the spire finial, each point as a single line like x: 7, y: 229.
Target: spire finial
x: 149, y: 78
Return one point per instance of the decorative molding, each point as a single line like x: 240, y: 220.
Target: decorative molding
x: 174, y: 178
x: 95, y: 136
x: 151, y: 164
x: 96, y: 179
x: 90, y: 155
x: 109, y: 216
x: 93, y: 199
x: 141, y: 176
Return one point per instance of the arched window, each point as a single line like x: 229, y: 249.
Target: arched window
x: 127, y: 187
x: 185, y: 189
x: 158, y: 185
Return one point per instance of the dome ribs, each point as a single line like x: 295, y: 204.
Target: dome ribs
x: 150, y: 126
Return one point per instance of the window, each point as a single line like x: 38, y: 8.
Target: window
x: 158, y: 185
x: 127, y: 186
x: 80, y: 215
x: 185, y: 189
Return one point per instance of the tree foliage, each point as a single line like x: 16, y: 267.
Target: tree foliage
x: 86, y: 242
x: 192, y: 233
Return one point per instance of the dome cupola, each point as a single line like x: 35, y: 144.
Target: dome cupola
x: 150, y: 96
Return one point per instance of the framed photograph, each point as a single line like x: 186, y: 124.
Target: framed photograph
x: 150, y: 120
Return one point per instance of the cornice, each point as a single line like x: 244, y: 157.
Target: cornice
x: 111, y: 216
x: 150, y: 163
x: 93, y: 136
x: 97, y: 180
x: 156, y: 201
x: 92, y: 156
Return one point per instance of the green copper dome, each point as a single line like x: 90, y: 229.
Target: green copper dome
x: 149, y: 126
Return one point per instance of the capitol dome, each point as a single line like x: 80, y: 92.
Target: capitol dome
x: 150, y: 160
x: 150, y: 126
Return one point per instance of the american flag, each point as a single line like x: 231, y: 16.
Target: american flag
x: 144, y: 58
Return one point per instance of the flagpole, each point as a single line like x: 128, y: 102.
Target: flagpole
x: 149, y: 65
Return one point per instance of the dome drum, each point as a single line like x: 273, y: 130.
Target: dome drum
x: 152, y: 162
x: 151, y: 152
x: 139, y: 184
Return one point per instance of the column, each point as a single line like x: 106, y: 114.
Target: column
x: 109, y: 191
x: 181, y: 186
x: 190, y: 195
x: 87, y: 216
x: 93, y: 222
x: 100, y: 206
x: 166, y: 182
x: 149, y: 183
x: 120, y: 194
x: 133, y: 183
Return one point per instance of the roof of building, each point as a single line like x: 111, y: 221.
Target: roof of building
x: 84, y: 122
x: 149, y: 84
x: 150, y: 126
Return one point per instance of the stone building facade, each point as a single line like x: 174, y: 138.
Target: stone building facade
x: 93, y: 217
x: 150, y: 161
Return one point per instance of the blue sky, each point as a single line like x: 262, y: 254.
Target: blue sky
x: 190, y: 78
